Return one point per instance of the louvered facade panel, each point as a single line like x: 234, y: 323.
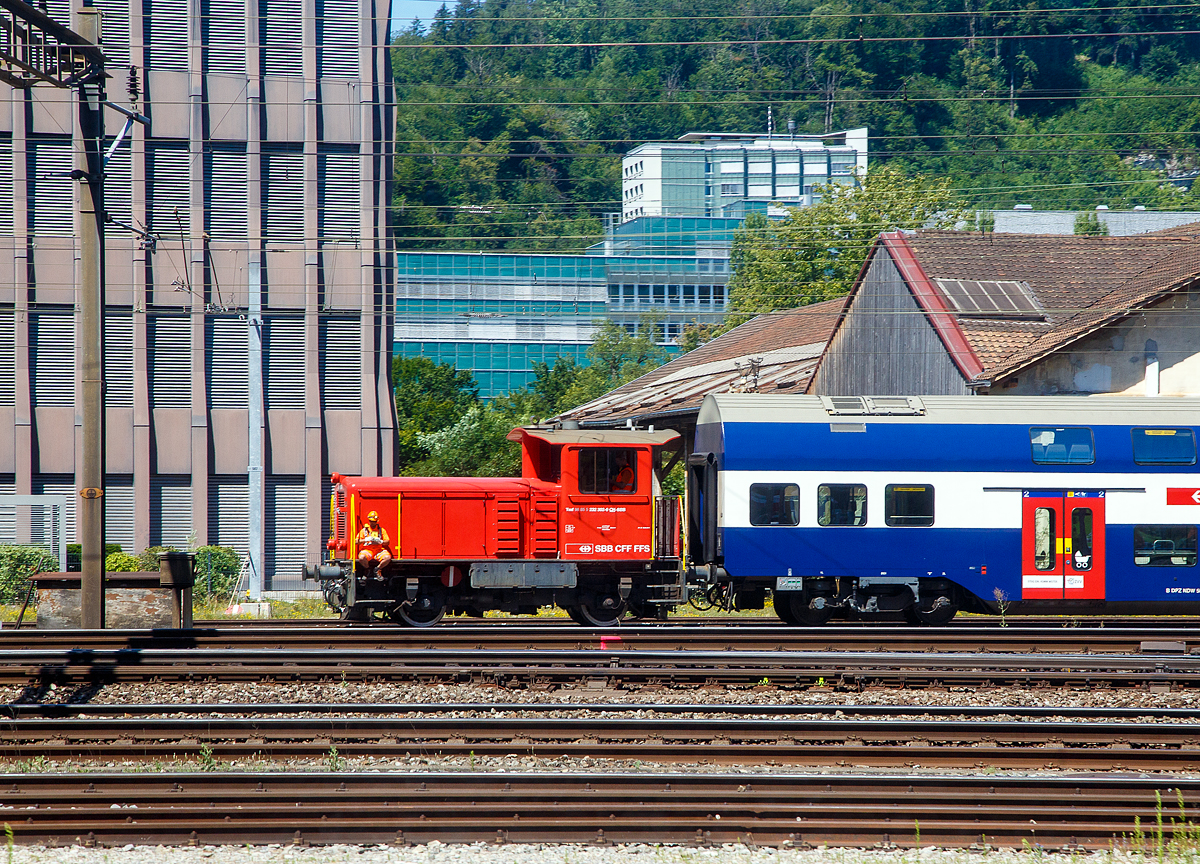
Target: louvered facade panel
x: 115, y: 38
x: 6, y: 188
x: 225, y: 356
x: 118, y: 191
x: 52, y: 356
x: 225, y: 36
x: 118, y: 361
x: 283, y: 194
x: 59, y: 10
x: 285, y: 530
x: 171, y: 511
x: 341, y: 364
x: 165, y: 30
x: 338, y: 39
x: 225, y: 192
x: 284, y: 362
x: 41, y: 519
x: 118, y: 513
x: 8, y: 513
x: 51, y: 198
x: 169, y: 361
x: 228, y: 515
x: 338, y: 204
x: 280, y: 35
x: 8, y: 355
x: 167, y: 200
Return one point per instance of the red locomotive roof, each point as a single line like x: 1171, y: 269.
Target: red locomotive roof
x: 595, y: 436
x: 457, y: 484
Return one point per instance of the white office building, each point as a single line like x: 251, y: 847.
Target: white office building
x: 719, y: 174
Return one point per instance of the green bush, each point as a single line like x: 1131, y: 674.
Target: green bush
x: 225, y: 563
x: 149, y: 556
x: 17, y: 565
x: 120, y: 562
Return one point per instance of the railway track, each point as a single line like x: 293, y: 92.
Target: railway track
x: 1073, y: 640
x: 599, y: 669
x: 971, y: 738
x: 765, y: 619
x: 888, y: 810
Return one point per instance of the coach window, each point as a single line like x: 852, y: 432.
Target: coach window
x: 842, y: 504
x: 908, y: 505
x: 1062, y: 445
x: 1164, y: 447
x: 607, y: 470
x: 774, y: 504
x: 1043, y: 539
x: 1164, y: 545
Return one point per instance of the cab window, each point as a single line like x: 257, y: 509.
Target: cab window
x: 607, y: 470
x: 774, y: 504
x: 842, y: 504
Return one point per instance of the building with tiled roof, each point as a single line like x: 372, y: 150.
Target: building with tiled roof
x: 955, y: 312
x: 773, y: 353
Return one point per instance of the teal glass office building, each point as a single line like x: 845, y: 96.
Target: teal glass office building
x: 496, y: 314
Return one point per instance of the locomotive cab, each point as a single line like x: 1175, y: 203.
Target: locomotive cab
x: 586, y: 527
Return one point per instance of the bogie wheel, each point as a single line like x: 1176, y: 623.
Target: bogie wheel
x: 783, y: 608
x: 936, y: 618
x: 804, y: 613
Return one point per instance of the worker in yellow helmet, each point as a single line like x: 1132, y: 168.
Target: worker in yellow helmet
x: 373, y: 541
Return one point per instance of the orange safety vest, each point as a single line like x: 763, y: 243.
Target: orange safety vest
x: 623, y: 482
x: 372, y: 540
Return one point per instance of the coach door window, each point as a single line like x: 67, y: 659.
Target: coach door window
x: 607, y: 470
x: 1164, y: 447
x: 908, y: 504
x: 1062, y: 445
x: 774, y: 504
x: 842, y: 504
x: 1081, y: 539
x: 1043, y: 538
x: 1164, y: 545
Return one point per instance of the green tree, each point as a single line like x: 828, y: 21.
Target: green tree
x: 816, y: 253
x: 615, y: 357
x: 429, y: 396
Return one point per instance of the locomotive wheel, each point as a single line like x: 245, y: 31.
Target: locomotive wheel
x: 596, y: 615
x: 411, y: 616
x: 936, y: 618
x: 805, y: 614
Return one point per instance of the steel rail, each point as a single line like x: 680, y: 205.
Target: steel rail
x: 651, y: 638
x: 846, y: 669
x: 764, y: 619
x: 842, y: 741
x: 1071, y: 813
x: 31, y: 710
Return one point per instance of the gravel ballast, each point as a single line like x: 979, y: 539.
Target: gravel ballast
x: 440, y: 853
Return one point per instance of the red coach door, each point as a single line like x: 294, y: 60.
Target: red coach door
x: 1062, y: 544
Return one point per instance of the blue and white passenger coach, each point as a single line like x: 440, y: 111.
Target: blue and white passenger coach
x: 929, y: 505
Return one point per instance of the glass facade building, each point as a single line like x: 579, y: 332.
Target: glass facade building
x: 496, y: 314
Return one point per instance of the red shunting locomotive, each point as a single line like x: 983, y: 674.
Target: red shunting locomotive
x: 586, y: 527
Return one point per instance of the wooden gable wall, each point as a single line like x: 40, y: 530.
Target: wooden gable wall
x: 886, y: 345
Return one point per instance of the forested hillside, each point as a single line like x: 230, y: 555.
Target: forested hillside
x: 513, y: 115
